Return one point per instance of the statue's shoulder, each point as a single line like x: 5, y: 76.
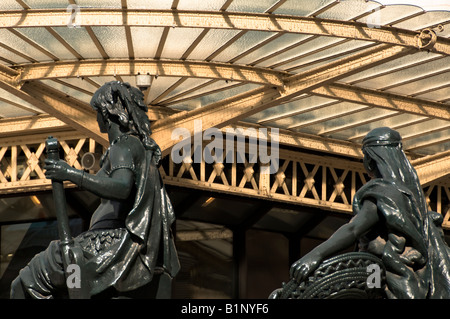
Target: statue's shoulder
x: 380, y: 185
x: 128, y: 143
x: 128, y: 149
x: 380, y: 189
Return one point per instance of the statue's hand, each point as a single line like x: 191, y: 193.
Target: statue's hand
x: 302, y: 268
x: 57, y: 170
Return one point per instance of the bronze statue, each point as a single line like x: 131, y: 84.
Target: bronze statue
x: 392, y: 222
x: 128, y: 250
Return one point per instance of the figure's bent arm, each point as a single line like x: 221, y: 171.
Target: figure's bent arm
x: 117, y: 185
x: 343, y: 238
x: 347, y: 234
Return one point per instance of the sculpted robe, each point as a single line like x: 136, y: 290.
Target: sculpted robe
x: 416, y: 257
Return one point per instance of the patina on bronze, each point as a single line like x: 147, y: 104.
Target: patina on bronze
x: 128, y: 250
x: 392, y: 222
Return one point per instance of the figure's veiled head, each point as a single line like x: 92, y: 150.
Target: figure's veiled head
x: 384, y: 158
x: 382, y: 136
x: 382, y: 149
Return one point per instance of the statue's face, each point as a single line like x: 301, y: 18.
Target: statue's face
x: 102, y: 123
x: 370, y: 166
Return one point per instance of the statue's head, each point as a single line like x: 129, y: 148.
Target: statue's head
x: 382, y: 149
x: 120, y: 103
x: 117, y: 102
x: 382, y: 136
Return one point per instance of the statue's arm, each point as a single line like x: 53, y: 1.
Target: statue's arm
x: 117, y: 185
x: 348, y: 233
x: 343, y: 238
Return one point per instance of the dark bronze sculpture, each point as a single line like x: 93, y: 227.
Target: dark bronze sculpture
x: 392, y: 222
x: 128, y: 250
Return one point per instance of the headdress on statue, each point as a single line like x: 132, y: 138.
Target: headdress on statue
x: 382, y: 136
x: 124, y: 103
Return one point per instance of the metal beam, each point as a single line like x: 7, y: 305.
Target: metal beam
x: 77, y: 114
x: 91, y: 68
x: 30, y: 125
x: 385, y: 100
x: 433, y: 167
x: 307, y: 141
x: 221, y: 20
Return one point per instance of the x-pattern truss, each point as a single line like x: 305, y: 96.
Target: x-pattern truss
x: 302, y: 179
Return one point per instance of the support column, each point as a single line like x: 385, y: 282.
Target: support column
x: 294, y: 248
x: 239, y: 264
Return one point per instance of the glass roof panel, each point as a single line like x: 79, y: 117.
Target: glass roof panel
x: 178, y: 41
x: 416, y: 143
x: 348, y: 9
x: 332, y: 54
x: 225, y: 90
x: 302, y: 104
x: 259, y: 6
x: 113, y: 4
x: 301, y: 8
x: 145, y: 4
x: 145, y: 41
x: 159, y: 85
x: 436, y: 95
x: 446, y: 31
x: 20, y: 45
x: 244, y: 43
x: 11, y: 97
x: 42, y: 37
x: 212, y: 41
x: 209, y: 5
x: 7, y: 57
x: 334, y: 127
x: 45, y: 4
x: 389, y: 67
x: 278, y: 44
x: 413, y: 131
x: 10, y: 5
x: 425, y: 20
x: 389, y: 14
x: 188, y: 84
x: 425, y: 4
x: 434, y: 149
x: 113, y: 40
x: 8, y: 110
x: 103, y: 79
x: 409, y: 74
x: 80, y: 83
x: 310, y: 46
x: 68, y: 90
x: 80, y: 41
x: 318, y: 115
x: 422, y: 85
x: 357, y: 133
